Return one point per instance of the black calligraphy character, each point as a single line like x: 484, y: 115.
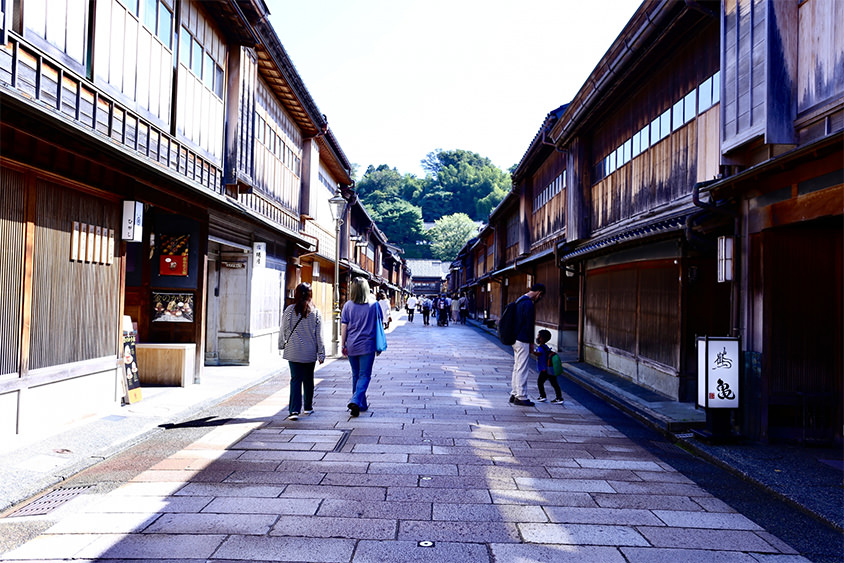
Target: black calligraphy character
x: 722, y: 361
x: 724, y: 391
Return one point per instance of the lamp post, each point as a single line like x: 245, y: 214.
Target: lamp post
x: 337, y: 205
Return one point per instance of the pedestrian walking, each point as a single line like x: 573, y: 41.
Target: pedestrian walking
x: 455, y: 309
x: 463, y: 304
x: 301, y: 342
x: 525, y: 316
x: 358, y: 327
x: 385, y: 309
x: 411, y: 307
x: 545, y: 369
x: 426, y: 310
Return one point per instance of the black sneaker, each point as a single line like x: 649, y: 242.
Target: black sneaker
x: 523, y: 402
x: 293, y: 416
x: 557, y: 401
x: 354, y: 408
x: 512, y: 399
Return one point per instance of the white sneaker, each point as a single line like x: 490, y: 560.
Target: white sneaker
x: 557, y: 401
x: 541, y: 400
x: 310, y: 412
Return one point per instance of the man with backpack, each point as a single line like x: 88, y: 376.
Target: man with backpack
x: 516, y: 329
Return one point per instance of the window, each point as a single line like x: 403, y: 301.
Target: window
x: 208, y: 70
x: 184, y: 47
x: 716, y: 87
x: 677, y: 112
x: 705, y: 95
x: 159, y: 19
x: 690, y: 106
x: 201, y: 63
x: 665, y: 124
x: 196, y: 57
x: 219, y: 80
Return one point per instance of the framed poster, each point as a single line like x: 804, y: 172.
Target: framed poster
x: 131, y: 379
x: 172, y: 307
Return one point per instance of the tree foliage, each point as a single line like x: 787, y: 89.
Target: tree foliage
x: 449, y: 234
x: 456, y: 182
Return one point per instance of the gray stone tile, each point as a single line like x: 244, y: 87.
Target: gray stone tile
x: 708, y: 520
x: 226, y: 505
x: 712, y: 504
x: 244, y: 524
x: 619, y: 464
x: 340, y: 466
x: 778, y: 543
x: 724, y: 540
x: 571, y: 485
x: 369, y: 480
x: 152, y: 546
x: 149, y: 504
x: 364, y: 458
x: 466, y: 482
x: 330, y: 491
x: 581, y: 534
x: 257, y: 548
x: 648, y: 502
x: 488, y: 513
x: 544, y: 498
x: 411, y: 552
x: 124, y: 523
x: 678, y: 489
x: 274, y: 477
x: 601, y: 474
x: 777, y: 558
x: 332, y: 527
x: 413, y: 468
x: 417, y: 494
x: 619, y: 516
x: 370, y: 509
x: 392, y: 449
x: 481, y: 532
x: 229, y: 490
x: 660, y: 555
x: 535, y: 553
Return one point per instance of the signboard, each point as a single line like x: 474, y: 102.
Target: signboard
x: 172, y: 307
x: 133, y: 221
x: 718, y: 372
x: 129, y: 365
x: 259, y: 254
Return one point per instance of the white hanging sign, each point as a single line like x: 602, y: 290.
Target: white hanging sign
x: 718, y: 372
x: 133, y: 221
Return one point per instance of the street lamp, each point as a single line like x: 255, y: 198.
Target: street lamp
x: 337, y: 205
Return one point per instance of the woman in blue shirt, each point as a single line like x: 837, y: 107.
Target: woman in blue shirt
x: 358, y: 325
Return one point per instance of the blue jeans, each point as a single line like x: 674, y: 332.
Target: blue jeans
x: 361, y: 374
x: 301, y: 376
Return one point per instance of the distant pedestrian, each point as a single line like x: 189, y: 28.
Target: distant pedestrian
x: 358, y: 325
x: 545, y: 369
x: 463, y: 304
x: 411, y: 307
x: 385, y: 309
x: 426, y: 310
x: 455, y: 309
x: 525, y: 317
x: 301, y: 340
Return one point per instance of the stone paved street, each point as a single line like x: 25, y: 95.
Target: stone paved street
x: 441, y: 468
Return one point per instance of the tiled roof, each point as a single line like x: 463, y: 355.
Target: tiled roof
x: 427, y: 268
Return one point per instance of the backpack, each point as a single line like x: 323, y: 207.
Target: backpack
x: 508, y: 328
x: 556, y: 364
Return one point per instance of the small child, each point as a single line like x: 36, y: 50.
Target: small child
x: 546, y: 371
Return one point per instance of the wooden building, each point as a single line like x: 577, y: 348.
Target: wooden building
x: 702, y: 182
x: 160, y: 160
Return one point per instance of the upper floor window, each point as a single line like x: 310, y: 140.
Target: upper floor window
x: 700, y: 99
x: 201, y: 62
x: 158, y: 18
x: 61, y: 23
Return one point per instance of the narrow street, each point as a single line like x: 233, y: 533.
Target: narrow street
x: 441, y: 468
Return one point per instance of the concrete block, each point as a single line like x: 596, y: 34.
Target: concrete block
x: 581, y: 534
x: 708, y: 520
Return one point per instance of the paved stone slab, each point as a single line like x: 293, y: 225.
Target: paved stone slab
x: 149, y: 505
x: 534, y: 553
x: 622, y: 516
x: 658, y: 555
x: 256, y: 548
x: 580, y: 485
x: 409, y: 494
x: 244, y: 524
x: 305, y: 506
x: 411, y: 552
x: 368, y: 509
x: 650, y: 502
x: 125, y: 523
x: 152, y: 546
x: 481, y: 532
x: 544, y: 498
x: 582, y: 534
x: 489, y: 513
x: 326, y: 527
x: 721, y: 540
x: 708, y: 520
x: 330, y: 491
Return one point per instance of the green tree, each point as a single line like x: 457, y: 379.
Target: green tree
x: 400, y: 220
x: 460, y: 181
x: 449, y: 234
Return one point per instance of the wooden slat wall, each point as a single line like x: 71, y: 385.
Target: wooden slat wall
x: 548, y: 309
x: 636, y: 309
x: 12, y: 215
x: 76, y: 305
x: 820, y: 50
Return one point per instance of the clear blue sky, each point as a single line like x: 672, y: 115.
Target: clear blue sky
x: 401, y: 78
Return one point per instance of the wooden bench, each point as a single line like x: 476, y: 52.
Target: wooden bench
x: 166, y: 364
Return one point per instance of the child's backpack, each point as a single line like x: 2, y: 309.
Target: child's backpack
x: 508, y: 329
x: 556, y: 364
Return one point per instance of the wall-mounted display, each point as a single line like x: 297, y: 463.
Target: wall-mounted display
x: 172, y: 307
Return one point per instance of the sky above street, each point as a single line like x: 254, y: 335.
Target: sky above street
x: 398, y: 79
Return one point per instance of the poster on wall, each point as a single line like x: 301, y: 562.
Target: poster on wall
x: 174, y: 255
x: 172, y: 307
x: 129, y: 366
x: 718, y: 372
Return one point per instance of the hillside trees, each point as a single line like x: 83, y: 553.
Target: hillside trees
x: 449, y: 234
